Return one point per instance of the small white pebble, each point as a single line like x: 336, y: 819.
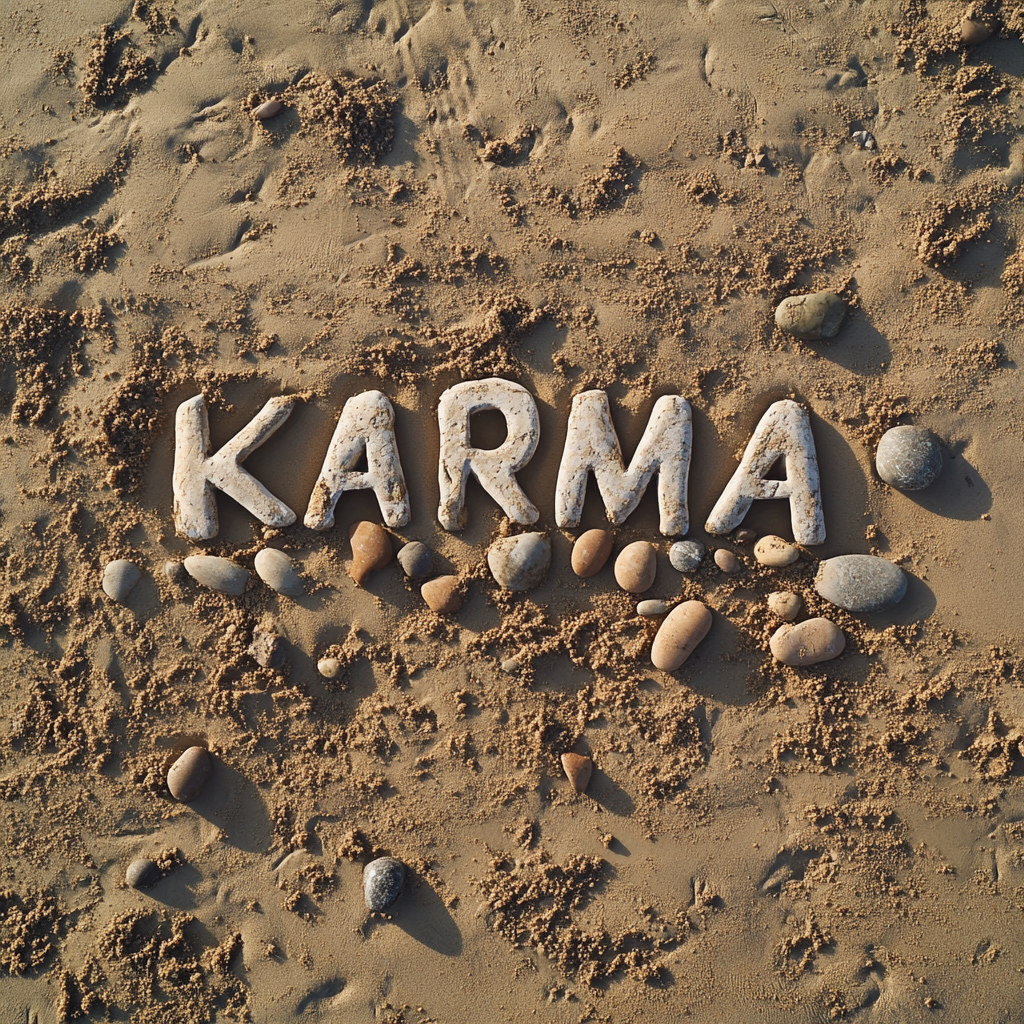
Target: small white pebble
x: 328, y: 667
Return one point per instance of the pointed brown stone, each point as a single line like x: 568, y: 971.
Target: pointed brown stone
x: 371, y: 550
x: 443, y: 595
x: 577, y: 770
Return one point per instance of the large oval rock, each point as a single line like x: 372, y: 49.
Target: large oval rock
x: 443, y: 595
x: 636, y: 566
x: 520, y: 563
x: 591, y: 551
x: 415, y: 560
x: 279, y: 572
x: 218, y: 574
x: 371, y: 550
x: 860, y: 583
x: 188, y: 776
x: 383, y: 879
x: 119, y: 577
x: 810, y: 317
x: 684, y: 627
x: 775, y: 552
x: 909, y: 458
x: 807, y: 643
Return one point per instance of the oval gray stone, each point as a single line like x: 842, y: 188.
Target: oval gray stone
x: 909, y: 458
x: 520, y: 563
x: 415, y: 560
x: 188, y: 776
x: 810, y: 317
x: 652, y: 608
x: 382, y: 882
x: 119, y: 577
x: 686, y: 555
x: 142, y: 873
x: 279, y: 572
x: 218, y: 574
x: 860, y: 583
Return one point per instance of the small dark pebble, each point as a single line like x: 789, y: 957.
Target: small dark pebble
x: 415, y: 560
x: 382, y: 882
x: 267, y: 649
x: 142, y: 873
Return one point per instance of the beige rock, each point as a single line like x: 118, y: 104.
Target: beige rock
x: 727, y: 561
x: 578, y: 769
x: 218, y: 573
x: 973, y: 32
x: 684, y: 627
x: 807, y: 643
x: 188, y: 776
x: 590, y: 552
x: 636, y: 566
x: 371, y: 550
x: 775, y: 552
x: 443, y: 595
x: 279, y: 572
x: 268, y: 109
x: 328, y: 667
x: 785, y: 604
x: 119, y: 577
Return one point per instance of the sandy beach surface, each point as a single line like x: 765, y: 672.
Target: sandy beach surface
x: 575, y: 195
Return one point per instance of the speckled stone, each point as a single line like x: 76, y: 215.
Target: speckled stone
x: 578, y: 769
x: 909, y: 458
x: 810, y: 317
x: 727, y: 561
x: 807, y: 643
x: 785, y: 604
x: 119, y: 577
x: 382, y: 882
x: 636, y: 567
x: 860, y: 583
x: 415, y: 560
x: 267, y: 649
x: 142, y: 873
x: 188, y: 776
x: 591, y: 551
x: 652, y: 607
x: 279, y: 572
x: 217, y: 573
x: 686, y: 555
x: 775, y: 552
x: 522, y: 562
x: 329, y: 668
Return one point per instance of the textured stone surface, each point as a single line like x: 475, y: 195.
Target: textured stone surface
x: 775, y: 552
x: 684, y: 627
x: 520, y: 563
x: 329, y: 668
x: 860, y: 583
x: 267, y: 649
x: 279, y: 572
x: 636, y: 567
x: 218, y: 573
x: 653, y: 607
x: 189, y: 774
x: 785, y: 604
x: 909, y: 458
x: 807, y: 643
x: 686, y: 555
x: 810, y: 317
x: 383, y: 879
x: 119, y: 577
x: 591, y: 551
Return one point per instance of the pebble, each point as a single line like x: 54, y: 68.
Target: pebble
x: 864, y: 140
x: 807, y: 643
x: 785, y: 604
x: 909, y: 458
x: 119, y: 577
x: 328, y: 667
x: 510, y: 665
x: 268, y: 649
x: 522, y: 562
x: 686, y: 555
x: 279, y: 572
x: 577, y: 768
x: 415, y: 560
x: 142, y: 873
x: 727, y: 561
x: 188, y: 776
x: 860, y: 583
x: 745, y: 535
x: 652, y: 608
x: 684, y: 627
x: 775, y: 552
x: 218, y: 574
x: 973, y: 32
x: 443, y: 595
x: 591, y: 551
x: 371, y: 550
x: 636, y: 567
x: 810, y: 317
x: 173, y: 569
x: 382, y: 882
x: 268, y: 109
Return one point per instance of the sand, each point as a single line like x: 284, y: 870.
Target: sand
x: 571, y: 196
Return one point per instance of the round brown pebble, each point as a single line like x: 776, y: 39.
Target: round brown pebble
x: 807, y: 643
x: 142, y: 873
x: 188, y: 776
x: 268, y: 109
x: 636, y: 566
x: 785, y: 604
x: 590, y: 552
x: 443, y: 595
x: 684, y: 627
x: 727, y: 561
x: 371, y: 550
x: 577, y: 769
x: 775, y: 552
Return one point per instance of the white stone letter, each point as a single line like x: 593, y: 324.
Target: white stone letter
x: 196, y: 475
x: 495, y: 469
x: 367, y: 422
x: 783, y: 432
x: 591, y: 445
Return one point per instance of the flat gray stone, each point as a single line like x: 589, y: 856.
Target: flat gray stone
x: 686, y: 555
x: 218, y: 573
x: 415, y: 560
x: 520, y: 563
x: 810, y: 317
x: 279, y: 572
x: 119, y: 577
x: 860, y: 583
x: 909, y: 458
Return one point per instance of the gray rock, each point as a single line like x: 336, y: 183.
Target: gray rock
x: 119, y: 577
x: 652, y: 608
x: 860, y: 583
x: 218, y: 574
x: 268, y: 649
x: 173, y: 569
x: 142, y: 873
x: 415, y: 560
x: 279, y: 572
x: 382, y: 882
x: 909, y: 458
x: 810, y: 317
x: 686, y: 555
x: 520, y: 563
x: 188, y: 776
